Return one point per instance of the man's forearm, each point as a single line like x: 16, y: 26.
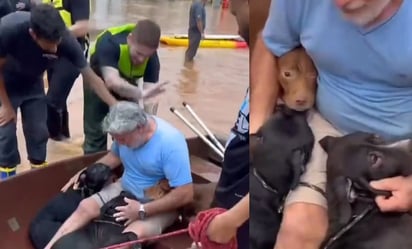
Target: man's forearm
x: 74, y: 222
x: 125, y: 89
x: 264, y: 86
x: 200, y: 26
x: 239, y: 213
x: 80, y: 28
x: 97, y: 84
x: 172, y: 201
x: 4, y: 97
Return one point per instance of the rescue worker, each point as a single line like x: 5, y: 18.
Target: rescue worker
x: 62, y: 75
x: 29, y: 43
x: 197, y: 24
x: 120, y: 56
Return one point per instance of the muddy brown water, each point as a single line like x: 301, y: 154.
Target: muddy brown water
x: 214, y: 87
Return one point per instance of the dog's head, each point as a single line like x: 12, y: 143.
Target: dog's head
x: 356, y: 159
x: 94, y: 178
x: 282, y: 147
x: 297, y: 77
x: 365, y: 155
x: 158, y: 191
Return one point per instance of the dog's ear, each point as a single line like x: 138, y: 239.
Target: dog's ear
x: 327, y: 143
x: 297, y: 161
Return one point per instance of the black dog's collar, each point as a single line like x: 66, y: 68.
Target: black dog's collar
x: 263, y: 182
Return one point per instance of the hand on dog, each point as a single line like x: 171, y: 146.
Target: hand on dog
x: 74, y: 181
x: 401, y: 199
x: 221, y: 230
x: 129, y: 212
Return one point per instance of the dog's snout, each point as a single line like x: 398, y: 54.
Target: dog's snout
x: 301, y: 102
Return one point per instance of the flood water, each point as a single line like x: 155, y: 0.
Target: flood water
x: 214, y: 87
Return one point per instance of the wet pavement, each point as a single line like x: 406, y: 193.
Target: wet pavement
x: 214, y: 87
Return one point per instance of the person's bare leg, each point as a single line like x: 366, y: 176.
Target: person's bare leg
x: 304, y: 226
x: 87, y: 210
x: 305, y: 220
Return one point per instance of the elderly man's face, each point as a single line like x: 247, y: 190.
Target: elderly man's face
x: 362, y: 12
x: 132, y: 139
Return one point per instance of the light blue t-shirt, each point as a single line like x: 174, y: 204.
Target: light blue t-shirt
x: 365, y: 76
x: 165, y: 155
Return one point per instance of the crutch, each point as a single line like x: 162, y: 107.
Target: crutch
x: 203, y: 137
x: 211, y: 135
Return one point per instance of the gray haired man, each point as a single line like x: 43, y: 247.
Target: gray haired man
x: 150, y: 149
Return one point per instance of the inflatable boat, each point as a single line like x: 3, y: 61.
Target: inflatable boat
x: 210, y: 41
x: 22, y: 196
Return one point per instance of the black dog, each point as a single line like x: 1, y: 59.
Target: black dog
x: 101, y: 232
x: 354, y: 219
x: 52, y: 216
x: 279, y: 155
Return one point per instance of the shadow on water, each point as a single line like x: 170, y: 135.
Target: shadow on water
x: 214, y: 86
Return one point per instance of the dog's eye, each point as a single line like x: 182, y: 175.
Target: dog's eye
x: 287, y: 74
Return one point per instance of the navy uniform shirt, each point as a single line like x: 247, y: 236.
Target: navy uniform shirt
x: 25, y: 60
x: 108, y: 53
x: 233, y: 184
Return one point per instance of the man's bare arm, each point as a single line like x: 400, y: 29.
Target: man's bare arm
x: 239, y: 213
x: 110, y: 160
x: 4, y: 97
x: 264, y: 86
x: 97, y: 84
x: 120, y: 86
x: 177, y: 198
x: 80, y: 28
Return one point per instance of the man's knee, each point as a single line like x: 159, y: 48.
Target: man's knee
x: 303, y: 223
x: 88, y: 208
x: 9, y: 155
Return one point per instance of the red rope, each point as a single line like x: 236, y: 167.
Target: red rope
x: 198, y: 230
x: 153, y: 238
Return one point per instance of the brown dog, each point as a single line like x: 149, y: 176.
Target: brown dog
x: 297, y: 78
x: 203, y: 196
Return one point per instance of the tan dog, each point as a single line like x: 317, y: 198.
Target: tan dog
x: 297, y: 78
x: 159, y: 190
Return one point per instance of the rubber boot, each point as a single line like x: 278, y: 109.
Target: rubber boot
x: 38, y: 165
x: 65, y: 131
x: 6, y: 172
x: 54, y: 123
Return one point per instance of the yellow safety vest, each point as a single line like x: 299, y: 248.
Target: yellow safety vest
x: 66, y: 15
x: 125, y: 65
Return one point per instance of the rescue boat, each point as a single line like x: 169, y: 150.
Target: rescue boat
x: 23, y: 195
x: 209, y: 41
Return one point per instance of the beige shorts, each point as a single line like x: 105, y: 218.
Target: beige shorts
x: 152, y: 226
x: 316, y: 169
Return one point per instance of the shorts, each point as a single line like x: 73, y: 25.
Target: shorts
x: 316, y: 168
x: 153, y: 225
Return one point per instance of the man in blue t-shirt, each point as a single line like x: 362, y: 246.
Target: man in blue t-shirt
x: 150, y: 149
x: 364, y: 84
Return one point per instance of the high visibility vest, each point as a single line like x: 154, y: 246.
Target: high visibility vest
x: 66, y: 15
x: 125, y: 65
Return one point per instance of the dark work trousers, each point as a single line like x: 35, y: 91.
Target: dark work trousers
x: 61, y: 77
x: 194, y: 40
x: 30, y: 98
x: 94, y: 111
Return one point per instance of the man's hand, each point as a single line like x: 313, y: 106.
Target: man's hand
x: 7, y: 114
x: 129, y: 213
x: 74, y: 181
x: 401, y: 199
x: 221, y: 229
x: 153, y: 90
